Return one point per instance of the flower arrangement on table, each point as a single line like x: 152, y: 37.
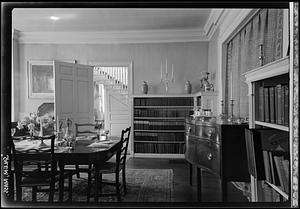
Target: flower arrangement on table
x: 33, y: 123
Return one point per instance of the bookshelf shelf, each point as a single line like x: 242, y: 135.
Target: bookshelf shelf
x: 164, y: 107
x: 160, y: 118
x: 268, y: 137
x: 160, y: 142
x: 279, y: 190
x: 158, y: 124
x: 160, y: 131
x: 155, y: 155
x: 272, y: 125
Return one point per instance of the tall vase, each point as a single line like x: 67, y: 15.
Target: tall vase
x: 188, y: 87
x: 145, y: 87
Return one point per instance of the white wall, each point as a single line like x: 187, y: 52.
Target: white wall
x: 189, y: 59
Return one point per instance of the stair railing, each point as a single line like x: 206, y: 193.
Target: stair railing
x: 118, y: 74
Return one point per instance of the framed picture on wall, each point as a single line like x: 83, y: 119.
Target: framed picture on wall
x: 40, y: 79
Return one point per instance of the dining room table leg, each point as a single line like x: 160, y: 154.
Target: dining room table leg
x: 61, y: 182
x: 96, y: 182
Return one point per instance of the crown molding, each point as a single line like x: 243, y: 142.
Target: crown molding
x: 226, y: 20
x: 231, y: 21
x: 107, y: 37
x: 213, y: 22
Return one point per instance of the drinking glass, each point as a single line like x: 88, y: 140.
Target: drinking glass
x: 69, y: 139
x: 13, y: 131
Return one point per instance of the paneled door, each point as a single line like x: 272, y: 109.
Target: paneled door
x: 118, y: 115
x: 74, y: 92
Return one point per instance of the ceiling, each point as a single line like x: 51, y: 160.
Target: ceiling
x: 108, y: 19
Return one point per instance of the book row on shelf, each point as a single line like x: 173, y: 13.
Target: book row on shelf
x: 274, y: 104
x: 158, y: 148
x: 144, y: 136
x: 171, y: 101
x: 161, y: 112
x: 276, y: 172
x: 158, y: 125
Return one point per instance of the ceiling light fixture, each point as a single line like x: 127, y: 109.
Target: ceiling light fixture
x: 54, y: 18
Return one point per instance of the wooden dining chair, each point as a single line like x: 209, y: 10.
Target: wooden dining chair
x: 83, y: 129
x: 86, y: 129
x: 37, y: 178
x: 116, y: 167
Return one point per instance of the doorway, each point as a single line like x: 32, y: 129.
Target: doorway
x: 111, y: 95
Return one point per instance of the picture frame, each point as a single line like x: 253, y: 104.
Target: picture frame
x: 40, y: 79
x: 41, y: 83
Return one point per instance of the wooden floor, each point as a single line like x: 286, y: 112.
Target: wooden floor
x: 183, y: 191
x: 184, y: 194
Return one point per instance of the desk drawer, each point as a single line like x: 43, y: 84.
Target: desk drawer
x: 207, y: 132
x: 203, y: 153
x: 208, y: 155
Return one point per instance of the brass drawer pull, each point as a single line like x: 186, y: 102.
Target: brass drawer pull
x: 210, y: 132
x: 209, y: 156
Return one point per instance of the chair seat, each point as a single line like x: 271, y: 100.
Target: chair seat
x: 83, y: 168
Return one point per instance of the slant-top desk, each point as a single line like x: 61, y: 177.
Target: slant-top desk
x: 218, y: 147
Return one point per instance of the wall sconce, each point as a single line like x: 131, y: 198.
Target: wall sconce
x: 261, y: 54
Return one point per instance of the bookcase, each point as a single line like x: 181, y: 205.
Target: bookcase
x: 267, y: 139
x: 159, y: 124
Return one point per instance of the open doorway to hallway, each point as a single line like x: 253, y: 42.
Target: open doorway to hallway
x: 111, y: 95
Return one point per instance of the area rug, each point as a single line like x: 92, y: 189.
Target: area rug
x: 143, y: 185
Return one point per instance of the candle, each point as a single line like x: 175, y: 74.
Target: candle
x: 166, y: 66
x: 57, y: 123
x: 161, y: 71
x: 231, y: 87
x: 172, y: 70
x: 212, y: 105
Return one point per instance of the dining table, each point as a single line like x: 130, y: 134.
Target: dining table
x: 85, y: 150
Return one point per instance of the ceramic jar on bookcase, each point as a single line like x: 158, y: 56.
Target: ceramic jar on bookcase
x: 268, y: 90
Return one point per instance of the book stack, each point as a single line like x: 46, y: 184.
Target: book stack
x: 277, y: 173
x: 171, y: 101
x: 158, y: 148
x: 273, y: 104
x: 159, y: 124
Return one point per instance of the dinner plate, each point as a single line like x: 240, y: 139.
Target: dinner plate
x: 99, y: 145
x: 107, y: 142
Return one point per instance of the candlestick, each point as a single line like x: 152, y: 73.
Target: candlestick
x: 222, y: 106
x: 231, y: 86
x: 261, y: 56
x: 231, y: 117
